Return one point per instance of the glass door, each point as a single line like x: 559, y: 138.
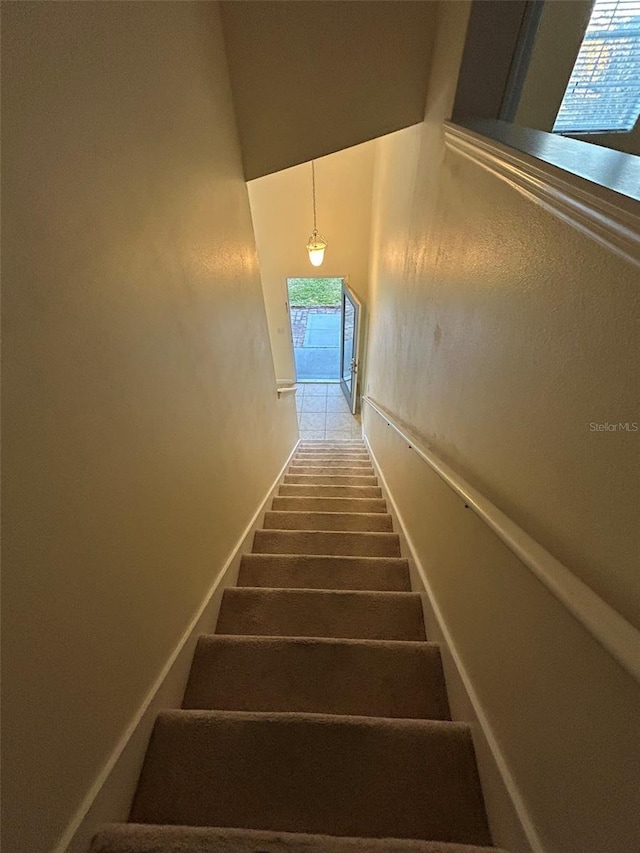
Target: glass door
x: 349, y: 345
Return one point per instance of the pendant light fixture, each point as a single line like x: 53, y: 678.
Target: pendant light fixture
x: 317, y: 244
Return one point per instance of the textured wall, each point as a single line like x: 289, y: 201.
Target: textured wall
x: 141, y: 424
x: 282, y: 211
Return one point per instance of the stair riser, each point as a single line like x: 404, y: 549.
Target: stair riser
x: 351, y: 454
x: 139, y: 838
x: 338, y: 471
x: 309, y: 572
x: 332, y: 461
x: 368, y: 522
x: 333, y: 447
x: 329, y: 491
x: 326, y: 542
x: 328, y: 505
x: 348, y: 677
x: 312, y: 774
x: 314, y: 444
x: 307, y: 613
x: 325, y: 480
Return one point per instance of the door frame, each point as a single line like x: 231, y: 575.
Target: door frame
x: 287, y: 304
x: 351, y: 395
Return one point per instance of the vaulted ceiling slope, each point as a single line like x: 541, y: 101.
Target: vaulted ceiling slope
x: 311, y: 78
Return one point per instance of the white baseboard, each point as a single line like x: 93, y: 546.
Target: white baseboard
x: 509, y: 819
x: 109, y: 798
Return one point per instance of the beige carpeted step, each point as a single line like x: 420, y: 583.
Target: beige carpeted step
x: 293, y: 490
x: 302, y: 571
x: 355, y: 453
x: 330, y: 542
x: 143, y: 838
x: 329, y: 480
x: 321, y: 613
x: 299, y: 520
x: 327, y: 676
x: 338, y: 471
x: 332, y: 447
x: 332, y: 461
x: 315, y: 773
x: 329, y: 442
x: 320, y: 504
x: 333, y: 452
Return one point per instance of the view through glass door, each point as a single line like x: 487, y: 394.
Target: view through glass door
x: 315, y: 311
x: 349, y: 344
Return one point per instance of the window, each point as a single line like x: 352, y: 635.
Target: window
x: 603, y: 94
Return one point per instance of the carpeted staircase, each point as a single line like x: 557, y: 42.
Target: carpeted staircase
x: 315, y: 719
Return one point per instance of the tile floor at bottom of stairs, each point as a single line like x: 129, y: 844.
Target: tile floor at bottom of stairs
x: 323, y: 413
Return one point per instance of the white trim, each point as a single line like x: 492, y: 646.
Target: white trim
x: 510, y: 784
x: 596, y: 211
x: 606, y: 625
x: 76, y: 821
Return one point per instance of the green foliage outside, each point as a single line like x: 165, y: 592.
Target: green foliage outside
x: 304, y: 292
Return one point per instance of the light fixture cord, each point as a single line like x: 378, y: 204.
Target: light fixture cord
x: 313, y: 183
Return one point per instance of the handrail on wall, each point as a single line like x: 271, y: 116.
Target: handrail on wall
x: 287, y: 389
x: 606, y: 625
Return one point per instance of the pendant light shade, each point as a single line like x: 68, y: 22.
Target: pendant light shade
x: 317, y: 244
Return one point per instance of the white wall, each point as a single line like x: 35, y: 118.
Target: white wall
x: 282, y: 211
x: 316, y: 77
x: 498, y: 334
x: 141, y: 424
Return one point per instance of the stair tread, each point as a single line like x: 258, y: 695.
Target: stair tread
x: 322, y: 520
x: 328, y: 490
x: 328, y: 504
x: 305, y: 571
x: 331, y: 479
x: 154, y: 838
x: 332, y: 454
x: 330, y: 442
x: 345, y: 543
x: 320, y: 675
x: 321, y: 613
x: 359, y: 458
x: 328, y: 447
x: 312, y: 773
x: 355, y: 470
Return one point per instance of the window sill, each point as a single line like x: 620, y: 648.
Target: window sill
x: 594, y: 189
x: 612, y: 170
